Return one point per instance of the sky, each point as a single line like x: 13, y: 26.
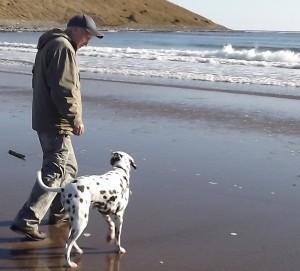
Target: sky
x: 274, y: 15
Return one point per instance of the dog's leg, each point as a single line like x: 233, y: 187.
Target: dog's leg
x: 118, y: 231
x: 75, y: 232
x: 111, y: 228
x: 77, y: 248
x: 68, y: 249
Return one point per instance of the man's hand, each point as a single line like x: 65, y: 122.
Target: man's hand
x: 78, y: 130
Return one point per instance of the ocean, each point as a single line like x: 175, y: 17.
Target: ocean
x: 258, y: 62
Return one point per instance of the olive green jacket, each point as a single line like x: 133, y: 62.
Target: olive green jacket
x: 56, y: 104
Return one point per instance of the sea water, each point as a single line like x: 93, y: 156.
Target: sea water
x: 266, y: 62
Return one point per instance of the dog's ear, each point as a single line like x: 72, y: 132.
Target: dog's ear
x: 115, y: 158
x: 133, y: 164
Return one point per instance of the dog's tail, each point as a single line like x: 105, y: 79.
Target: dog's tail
x: 45, y: 187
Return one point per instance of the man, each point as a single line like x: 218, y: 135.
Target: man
x: 56, y: 115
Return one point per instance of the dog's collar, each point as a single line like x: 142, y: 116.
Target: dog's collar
x: 121, y: 168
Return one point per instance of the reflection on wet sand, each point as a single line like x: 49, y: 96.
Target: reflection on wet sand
x: 21, y: 254
x: 113, y: 262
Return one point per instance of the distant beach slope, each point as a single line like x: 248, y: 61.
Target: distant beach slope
x: 133, y: 14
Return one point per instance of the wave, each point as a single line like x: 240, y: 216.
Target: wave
x: 18, y: 47
x: 227, y: 64
x: 226, y: 55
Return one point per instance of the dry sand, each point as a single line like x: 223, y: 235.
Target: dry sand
x: 217, y: 186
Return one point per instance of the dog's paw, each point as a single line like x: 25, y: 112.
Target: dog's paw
x: 121, y: 250
x: 71, y: 264
x: 78, y: 251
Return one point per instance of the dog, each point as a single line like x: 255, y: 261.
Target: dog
x: 109, y: 193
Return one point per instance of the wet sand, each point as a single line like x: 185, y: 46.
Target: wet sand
x: 217, y: 185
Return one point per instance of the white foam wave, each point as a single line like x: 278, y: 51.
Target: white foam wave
x: 227, y: 55
x: 184, y: 75
x: 228, y: 64
x: 17, y: 47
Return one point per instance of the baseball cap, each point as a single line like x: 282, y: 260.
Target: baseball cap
x: 86, y: 22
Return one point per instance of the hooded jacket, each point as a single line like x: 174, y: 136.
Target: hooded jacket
x: 56, y: 104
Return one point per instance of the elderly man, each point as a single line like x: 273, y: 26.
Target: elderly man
x: 56, y: 115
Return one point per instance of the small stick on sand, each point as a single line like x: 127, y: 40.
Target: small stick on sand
x: 16, y: 154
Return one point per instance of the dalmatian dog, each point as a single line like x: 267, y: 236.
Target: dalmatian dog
x: 109, y: 193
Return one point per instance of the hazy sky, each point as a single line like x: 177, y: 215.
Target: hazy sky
x: 282, y: 15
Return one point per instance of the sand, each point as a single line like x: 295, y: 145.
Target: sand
x: 217, y: 185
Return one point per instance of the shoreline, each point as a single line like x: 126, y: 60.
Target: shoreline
x: 259, y: 112
x: 292, y: 95
x: 18, y: 25
x: 15, y: 25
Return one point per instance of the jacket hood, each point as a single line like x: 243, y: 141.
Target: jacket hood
x: 50, y: 35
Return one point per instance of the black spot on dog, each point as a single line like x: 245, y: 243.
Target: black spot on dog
x: 112, y: 198
x: 105, y: 197
x: 76, y: 196
x: 62, y: 190
x: 72, y: 219
x: 85, y: 215
x: 75, y: 181
x: 69, y: 195
x: 102, y: 192
x: 80, y: 188
x: 69, y: 209
x: 68, y: 201
x: 97, y: 183
x: 73, y: 206
x: 81, y: 200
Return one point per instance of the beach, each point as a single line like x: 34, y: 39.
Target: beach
x: 217, y: 185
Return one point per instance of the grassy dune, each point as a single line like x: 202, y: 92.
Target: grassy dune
x: 136, y: 14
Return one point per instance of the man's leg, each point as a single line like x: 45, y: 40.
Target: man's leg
x: 57, y: 213
x: 55, y: 157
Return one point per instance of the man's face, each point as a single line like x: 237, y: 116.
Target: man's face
x: 81, y: 37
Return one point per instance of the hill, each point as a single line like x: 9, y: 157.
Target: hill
x: 124, y: 14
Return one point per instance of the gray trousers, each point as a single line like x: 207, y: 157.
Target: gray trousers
x: 59, y: 168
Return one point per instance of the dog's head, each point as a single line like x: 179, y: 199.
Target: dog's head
x: 122, y: 160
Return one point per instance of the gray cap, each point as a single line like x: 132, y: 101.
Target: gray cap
x: 86, y: 22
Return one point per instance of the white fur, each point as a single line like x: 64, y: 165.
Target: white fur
x: 109, y: 193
